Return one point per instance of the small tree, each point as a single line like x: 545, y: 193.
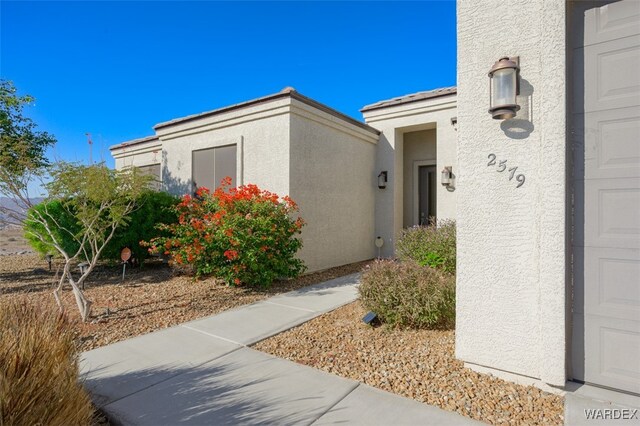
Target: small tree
x: 22, y: 153
x: 100, y: 200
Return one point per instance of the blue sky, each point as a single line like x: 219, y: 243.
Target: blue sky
x: 114, y: 69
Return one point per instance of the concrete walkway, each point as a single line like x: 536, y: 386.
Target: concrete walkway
x: 202, y: 372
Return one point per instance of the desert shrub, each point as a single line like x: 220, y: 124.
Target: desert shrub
x: 153, y: 208
x: 39, y: 369
x: 407, y: 294
x: 433, y: 245
x: 241, y: 235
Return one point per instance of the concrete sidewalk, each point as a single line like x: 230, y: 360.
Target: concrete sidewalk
x: 202, y: 372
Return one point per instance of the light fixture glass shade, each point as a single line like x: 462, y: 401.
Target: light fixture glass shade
x: 503, y: 89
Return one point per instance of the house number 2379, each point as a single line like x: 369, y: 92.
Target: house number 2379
x: 502, y: 166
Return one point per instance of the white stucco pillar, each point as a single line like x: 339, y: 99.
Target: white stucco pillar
x: 511, y: 304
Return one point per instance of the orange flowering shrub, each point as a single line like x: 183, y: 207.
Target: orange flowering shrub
x: 242, y: 235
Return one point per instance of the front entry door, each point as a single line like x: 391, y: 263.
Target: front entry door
x: 426, y: 194
x: 605, y: 127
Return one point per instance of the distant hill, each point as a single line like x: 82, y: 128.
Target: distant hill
x: 9, y: 203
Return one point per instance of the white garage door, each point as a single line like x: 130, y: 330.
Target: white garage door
x: 605, y: 126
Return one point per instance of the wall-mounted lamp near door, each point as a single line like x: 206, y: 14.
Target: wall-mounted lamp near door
x: 446, y: 178
x: 382, y: 180
x: 503, y: 88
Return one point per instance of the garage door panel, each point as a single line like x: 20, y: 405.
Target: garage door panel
x: 605, y: 138
x: 613, y: 275
x: 609, y: 22
x: 613, y: 352
x: 608, y: 146
x: 611, y: 71
x: 611, y: 217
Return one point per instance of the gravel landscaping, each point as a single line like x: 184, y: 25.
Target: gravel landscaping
x: 415, y: 364
x: 152, y: 297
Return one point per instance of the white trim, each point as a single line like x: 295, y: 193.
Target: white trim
x: 130, y: 151
x: 416, y: 194
x: 406, y: 110
x: 310, y: 113
x: 262, y: 111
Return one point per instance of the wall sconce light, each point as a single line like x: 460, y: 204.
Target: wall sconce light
x: 379, y: 244
x: 504, y: 85
x: 447, y: 177
x: 382, y: 180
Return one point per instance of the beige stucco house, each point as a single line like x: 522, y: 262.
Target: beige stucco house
x: 328, y: 162
x: 547, y: 202
x: 285, y: 143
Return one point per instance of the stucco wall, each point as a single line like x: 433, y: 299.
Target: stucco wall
x: 291, y: 148
x: 511, y: 241
x: 262, y: 139
x: 418, y: 146
x: 333, y: 181
x: 143, y: 154
x: 394, y: 122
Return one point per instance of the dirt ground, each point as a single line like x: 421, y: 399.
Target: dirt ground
x: 12, y: 241
x: 151, y: 297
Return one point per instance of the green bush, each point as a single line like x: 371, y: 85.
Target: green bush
x: 39, y: 369
x: 409, y: 295
x: 433, y: 245
x: 240, y: 235
x: 153, y: 208
x: 63, y: 220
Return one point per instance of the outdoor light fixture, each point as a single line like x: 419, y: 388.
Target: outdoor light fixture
x: 371, y: 318
x: 379, y: 243
x: 447, y: 176
x: 83, y: 268
x: 382, y: 180
x: 49, y: 258
x: 503, y: 88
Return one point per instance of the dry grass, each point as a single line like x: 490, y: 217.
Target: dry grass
x: 39, y: 369
x: 12, y: 241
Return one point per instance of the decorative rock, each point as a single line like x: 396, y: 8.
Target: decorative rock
x: 415, y: 364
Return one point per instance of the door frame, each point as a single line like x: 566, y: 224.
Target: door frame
x: 416, y: 187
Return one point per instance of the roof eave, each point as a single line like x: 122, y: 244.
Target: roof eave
x: 285, y: 93
x: 376, y: 106
x: 134, y: 142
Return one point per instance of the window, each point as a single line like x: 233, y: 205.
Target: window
x: 212, y: 165
x: 153, y: 170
